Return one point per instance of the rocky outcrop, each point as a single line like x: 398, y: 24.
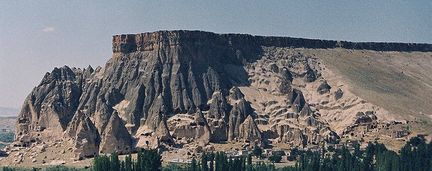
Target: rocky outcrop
x: 323, y: 88
x: 286, y: 81
x: 303, y: 137
x: 296, y: 99
x: 310, y: 75
x: 240, y: 110
x: 249, y: 130
x: 366, y: 117
x: 338, y: 94
x: 274, y: 68
x: 162, y: 134
x: 218, y: 107
x: 203, y: 135
x: 218, y: 117
x: 116, y: 138
x: 53, y: 102
x: 329, y: 136
x: 295, y: 137
x: 127, y: 43
x: 153, y: 78
x: 306, y: 111
x: 85, y: 136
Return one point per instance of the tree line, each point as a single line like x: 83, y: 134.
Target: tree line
x: 416, y: 155
x: 147, y: 160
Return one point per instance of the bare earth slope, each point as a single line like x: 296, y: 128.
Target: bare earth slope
x: 398, y: 81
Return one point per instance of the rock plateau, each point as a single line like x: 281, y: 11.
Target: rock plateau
x: 178, y: 87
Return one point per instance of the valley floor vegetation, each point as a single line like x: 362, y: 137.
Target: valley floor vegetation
x: 416, y: 155
x: 6, y: 138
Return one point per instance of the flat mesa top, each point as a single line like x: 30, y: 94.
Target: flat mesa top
x: 127, y: 43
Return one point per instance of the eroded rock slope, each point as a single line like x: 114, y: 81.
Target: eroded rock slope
x: 171, y: 87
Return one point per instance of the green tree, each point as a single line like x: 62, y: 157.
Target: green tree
x: 275, y: 158
x: 249, y: 166
x: 211, y: 157
x: 115, y: 162
x: 152, y: 160
x: 128, y: 163
x: 204, y: 166
x: 257, y: 151
x: 194, y: 166
x: 101, y: 163
x: 368, y: 159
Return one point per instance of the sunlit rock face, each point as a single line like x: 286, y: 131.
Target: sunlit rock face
x: 192, y: 82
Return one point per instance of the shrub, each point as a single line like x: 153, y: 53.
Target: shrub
x: 275, y: 158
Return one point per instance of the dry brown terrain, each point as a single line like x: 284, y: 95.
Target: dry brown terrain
x: 396, y: 85
x: 401, y: 82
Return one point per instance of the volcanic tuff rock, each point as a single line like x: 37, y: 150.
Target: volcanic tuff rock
x: 162, y: 134
x: 192, y: 84
x: 248, y: 130
x: 116, y: 138
x: 85, y: 136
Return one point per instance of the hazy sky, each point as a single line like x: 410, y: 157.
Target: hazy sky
x: 36, y: 36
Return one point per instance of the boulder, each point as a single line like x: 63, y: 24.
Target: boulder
x: 218, y: 107
x: 338, y: 94
x: 273, y: 67
x: 323, y: 88
x: 362, y: 118
x: 310, y: 75
x: 286, y: 74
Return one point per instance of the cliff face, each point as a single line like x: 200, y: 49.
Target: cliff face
x: 127, y: 43
x: 153, y: 78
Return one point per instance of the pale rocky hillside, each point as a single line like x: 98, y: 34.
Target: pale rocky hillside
x: 185, y: 92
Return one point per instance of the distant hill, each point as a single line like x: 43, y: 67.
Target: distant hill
x: 7, y: 112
